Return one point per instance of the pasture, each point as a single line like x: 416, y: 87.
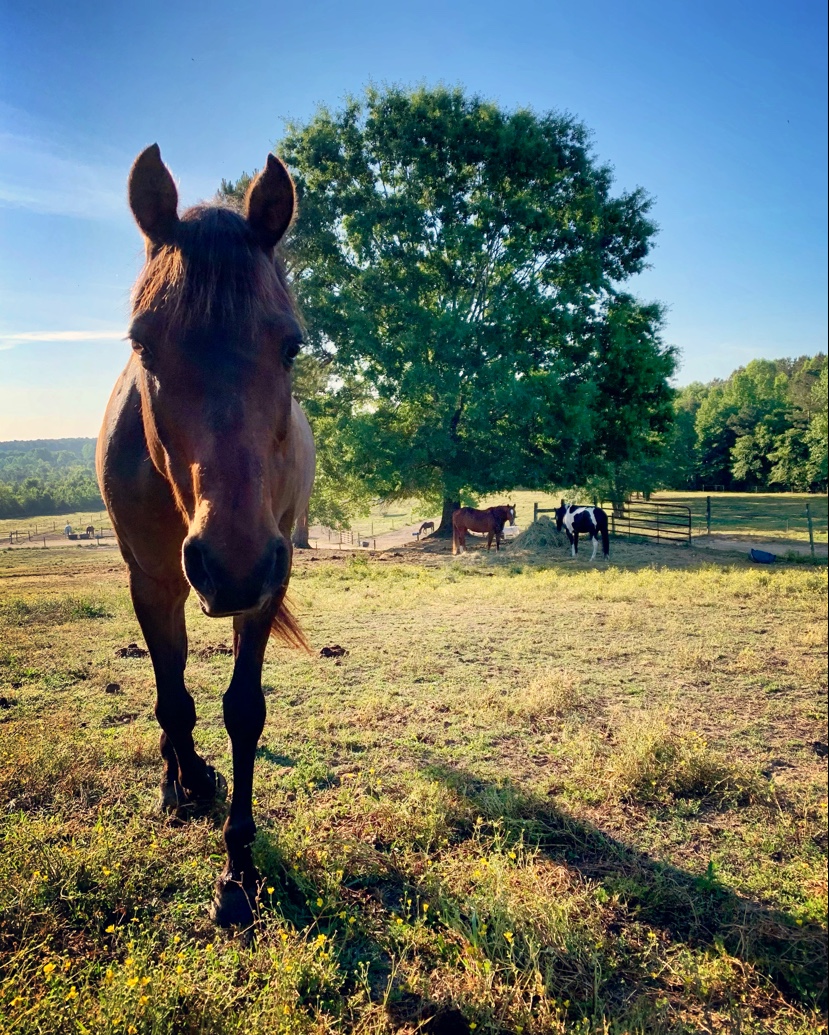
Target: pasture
x: 535, y: 795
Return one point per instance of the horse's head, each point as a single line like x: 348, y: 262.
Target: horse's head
x: 511, y: 511
x: 214, y: 333
x: 559, y: 514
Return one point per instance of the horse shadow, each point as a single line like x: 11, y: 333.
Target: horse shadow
x: 697, y: 911
x: 688, y: 911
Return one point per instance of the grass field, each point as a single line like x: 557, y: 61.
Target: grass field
x: 535, y: 796
x: 779, y: 515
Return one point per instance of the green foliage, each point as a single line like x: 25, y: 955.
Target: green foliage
x: 457, y: 265
x: 48, y: 476
x: 763, y: 428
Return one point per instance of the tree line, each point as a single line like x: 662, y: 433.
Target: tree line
x: 48, y: 476
x: 762, y: 428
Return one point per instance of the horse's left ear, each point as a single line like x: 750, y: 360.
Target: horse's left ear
x: 270, y: 203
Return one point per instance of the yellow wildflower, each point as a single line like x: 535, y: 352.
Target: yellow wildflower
x: 111, y: 929
x: 48, y: 968
x: 72, y: 993
x: 132, y: 982
x: 269, y: 889
x: 319, y: 903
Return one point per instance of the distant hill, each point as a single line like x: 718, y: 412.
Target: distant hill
x: 54, y: 445
x: 47, y: 476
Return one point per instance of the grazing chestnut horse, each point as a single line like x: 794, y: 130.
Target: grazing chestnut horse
x: 427, y: 526
x: 205, y: 461
x: 490, y: 521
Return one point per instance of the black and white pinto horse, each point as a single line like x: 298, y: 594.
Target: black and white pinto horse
x: 591, y: 521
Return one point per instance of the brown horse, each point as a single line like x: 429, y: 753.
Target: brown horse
x: 205, y: 461
x: 490, y: 522
x: 427, y: 526
x: 90, y: 532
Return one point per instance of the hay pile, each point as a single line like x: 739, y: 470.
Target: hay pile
x: 540, y: 535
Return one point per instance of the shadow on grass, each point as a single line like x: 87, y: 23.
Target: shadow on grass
x: 697, y: 911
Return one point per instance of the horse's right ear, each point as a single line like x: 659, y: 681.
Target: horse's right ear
x: 153, y: 196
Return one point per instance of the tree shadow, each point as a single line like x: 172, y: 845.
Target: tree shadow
x: 696, y: 911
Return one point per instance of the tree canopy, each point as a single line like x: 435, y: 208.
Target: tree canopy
x: 459, y: 269
x: 48, y: 476
x: 764, y: 427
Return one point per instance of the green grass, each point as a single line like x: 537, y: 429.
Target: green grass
x: 536, y: 796
x: 766, y: 515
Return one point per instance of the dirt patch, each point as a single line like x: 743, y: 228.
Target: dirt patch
x: 213, y: 650
x: 132, y: 650
x: 334, y: 651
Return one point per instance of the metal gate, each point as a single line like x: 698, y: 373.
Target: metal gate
x: 664, y: 522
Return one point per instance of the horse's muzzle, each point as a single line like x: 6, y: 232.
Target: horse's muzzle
x: 222, y: 594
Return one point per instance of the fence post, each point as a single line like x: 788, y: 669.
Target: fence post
x: 811, y: 531
x: 708, y: 514
x: 535, y: 511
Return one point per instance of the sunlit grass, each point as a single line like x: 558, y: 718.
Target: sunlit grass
x: 537, y: 795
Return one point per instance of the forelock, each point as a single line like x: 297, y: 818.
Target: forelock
x: 215, y: 271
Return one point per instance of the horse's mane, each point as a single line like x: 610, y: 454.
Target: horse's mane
x: 216, y: 270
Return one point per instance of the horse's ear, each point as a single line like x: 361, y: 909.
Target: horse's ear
x: 153, y: 196
x: 270, y: 203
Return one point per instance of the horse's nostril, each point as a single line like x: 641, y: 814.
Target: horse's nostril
x: 196, y: 568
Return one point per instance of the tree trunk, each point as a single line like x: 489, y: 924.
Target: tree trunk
x: 444, y: 529
x: 300, y: 536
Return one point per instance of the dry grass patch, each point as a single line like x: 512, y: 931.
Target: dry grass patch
x: 653, y: 757
x: 552, y: 694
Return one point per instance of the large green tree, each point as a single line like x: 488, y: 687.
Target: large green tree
x: 460, y: 266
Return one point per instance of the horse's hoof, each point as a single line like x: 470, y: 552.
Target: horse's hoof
x: 219, y: 793
x: 234, y: 904
x: 177, y: 801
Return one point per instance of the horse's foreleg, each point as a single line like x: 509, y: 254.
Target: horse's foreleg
x: 188, y: 780
x: 575, y: 542
x: 244, y: 715
x: 595, y: 548
x: 489, y: 543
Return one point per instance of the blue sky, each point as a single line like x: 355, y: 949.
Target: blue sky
x: 718, y: 109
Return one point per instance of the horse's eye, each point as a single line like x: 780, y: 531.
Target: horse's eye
x: 290, y: 351
x: 143, y: 353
